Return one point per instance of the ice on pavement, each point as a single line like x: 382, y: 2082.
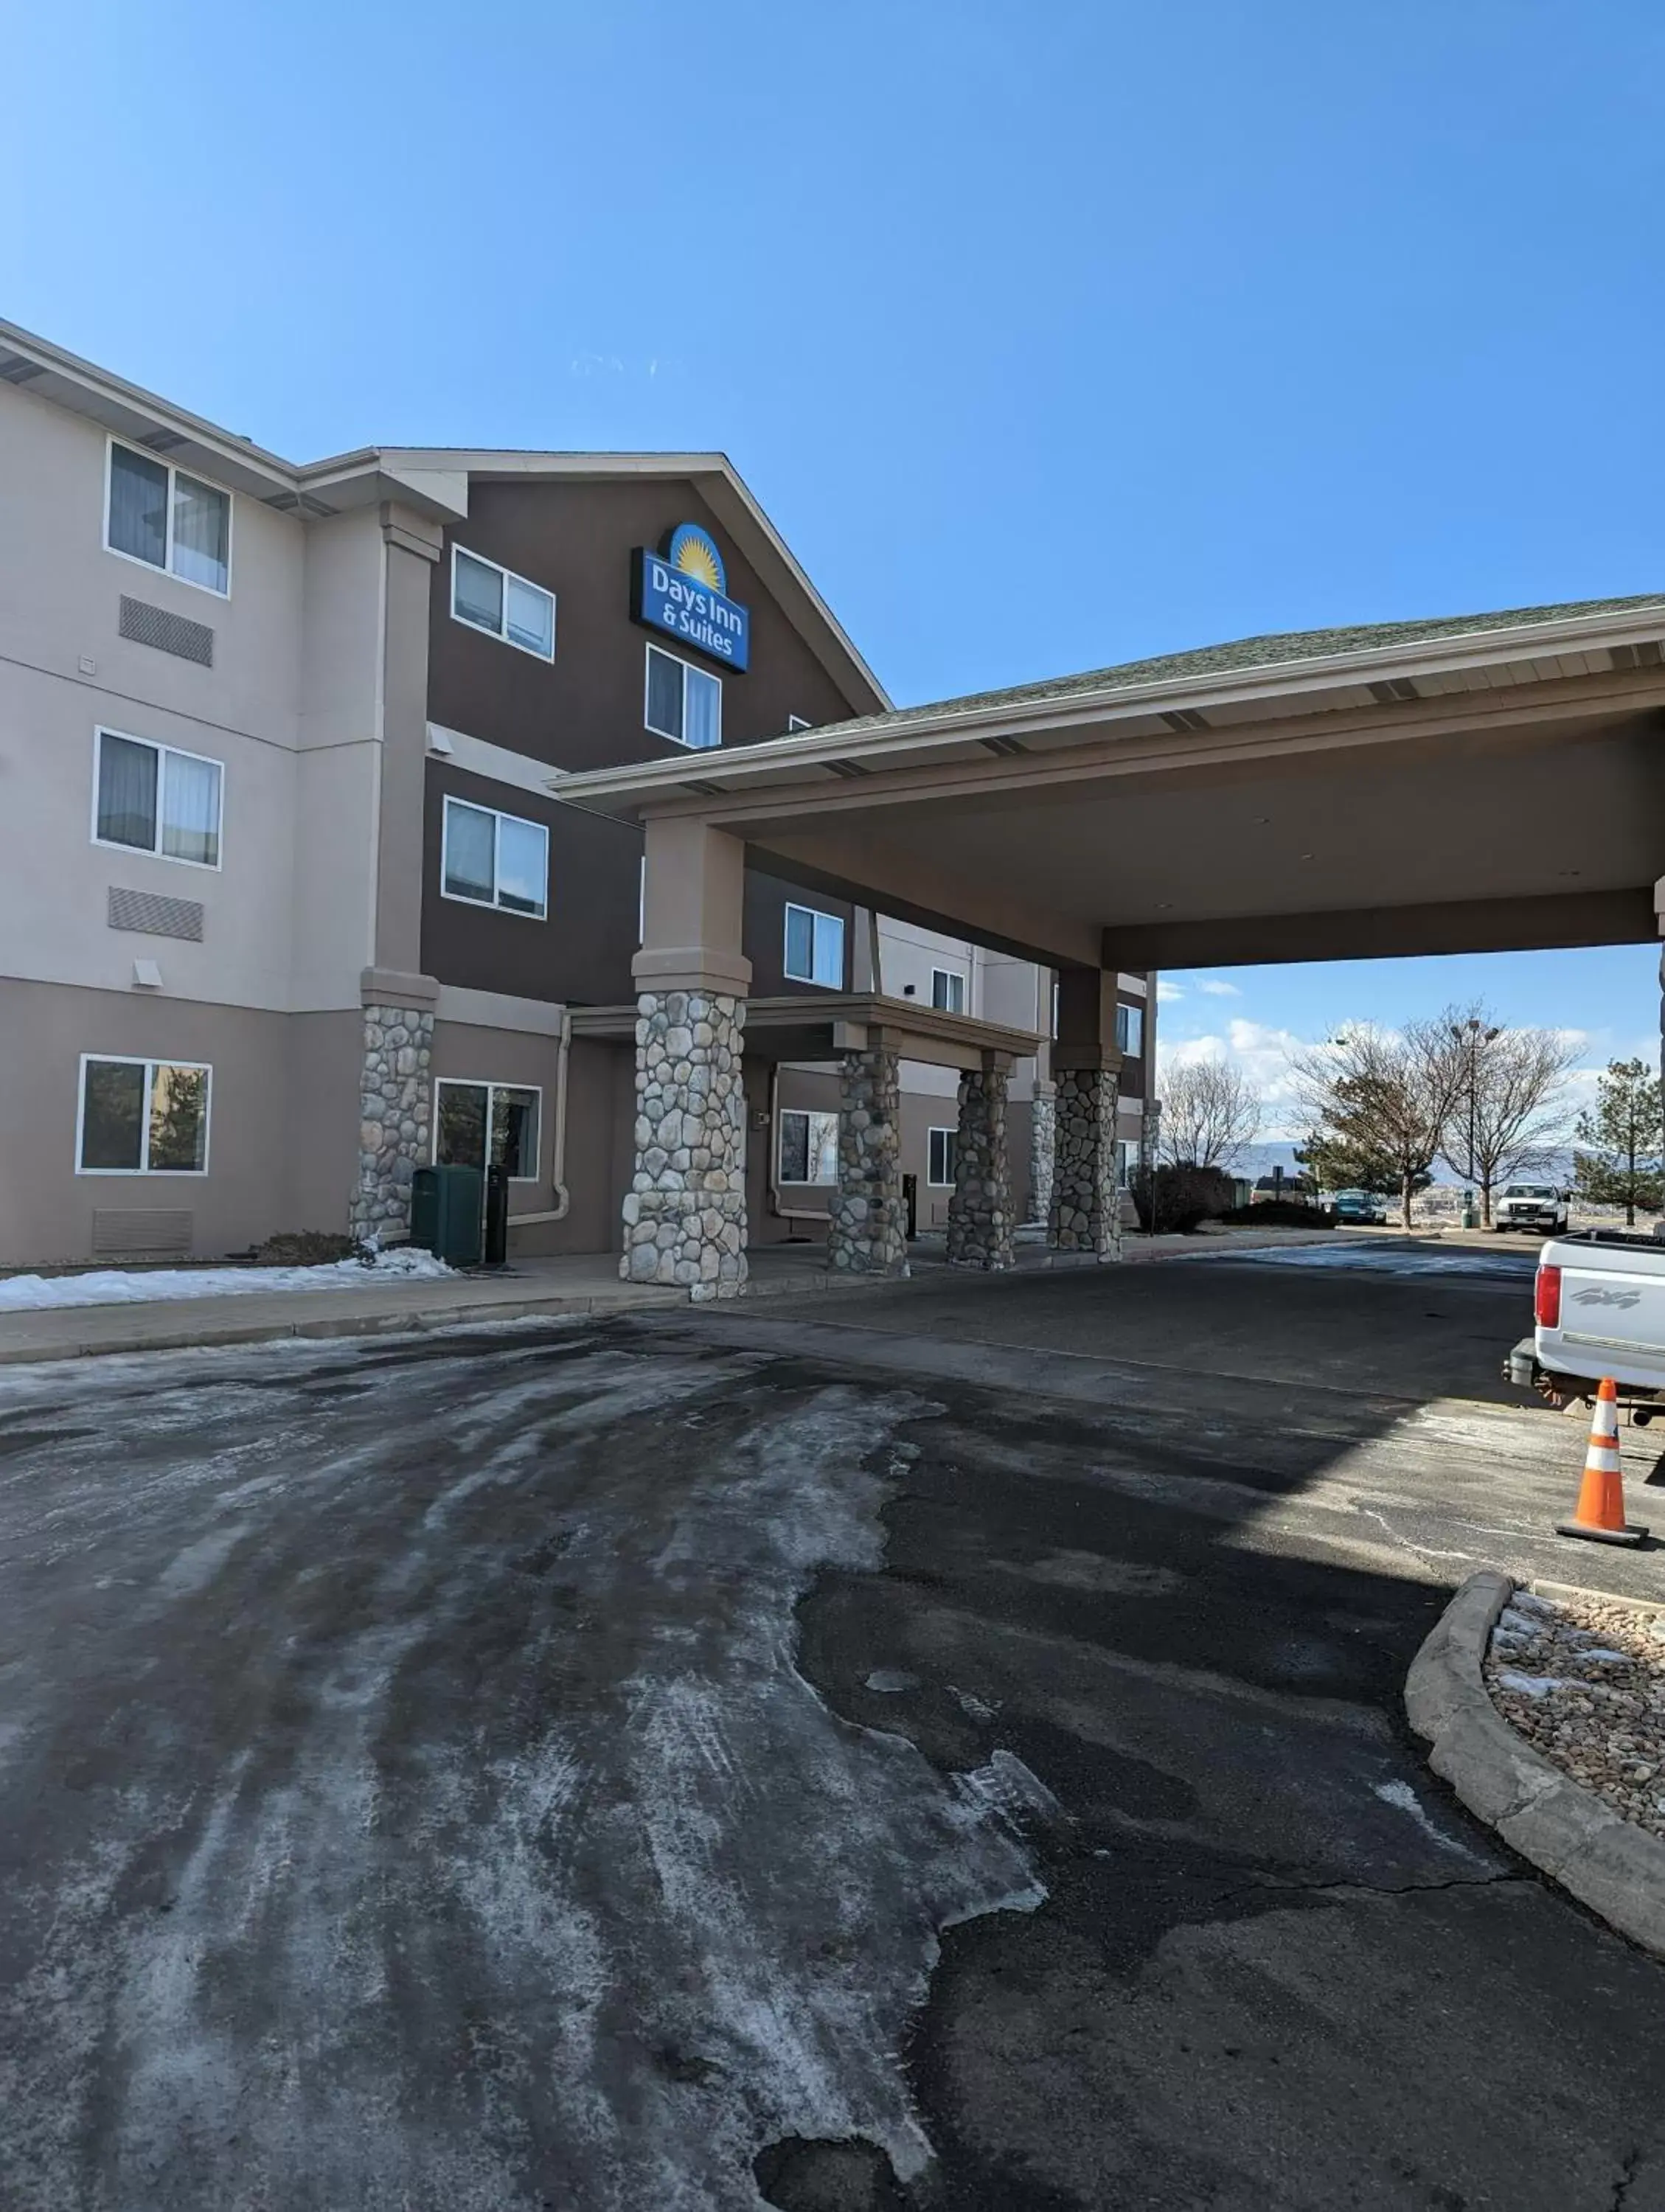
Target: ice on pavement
x: 1387, y: 1260
x: 118, y: 1286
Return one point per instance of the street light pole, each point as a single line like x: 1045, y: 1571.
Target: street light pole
x: 1474, y: 1027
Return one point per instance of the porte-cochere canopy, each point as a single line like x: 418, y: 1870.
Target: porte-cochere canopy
x: 1472, y: 784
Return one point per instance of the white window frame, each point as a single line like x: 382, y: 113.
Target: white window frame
x: 167, y: 568
x: 952, y: 1134
x: 129, y: 1059
x: 493, y: 904
x: 815, y: 912
x: 479, y: 1082
x: 509, y: 576
x: 102, y: 730
x: 790, y: 1182
x: 951, y: 976
x: 652, y: 727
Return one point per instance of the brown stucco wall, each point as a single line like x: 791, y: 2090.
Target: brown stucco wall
x: 584, y: 709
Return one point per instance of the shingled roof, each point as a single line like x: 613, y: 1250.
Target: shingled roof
x: 1248, y: 652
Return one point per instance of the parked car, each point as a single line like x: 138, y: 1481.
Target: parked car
x: 1598, y: 1308
x: 1537, y: 1206
x: 1359, y: 1209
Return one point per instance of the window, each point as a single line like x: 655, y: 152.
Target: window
x: 142, y: 1117
x: 151, y: 798
x: 796, y: 722
x: 465, y: 1112
x: 495, y: 860
x: 948, y: 990
x: 940, y: 1169
x: 683, y: 703
x: 809, y: 1147
x: 506, y: 605
x: 815, y: 947
x: 168, y: 519
x: 1126, y: 1162
x: 1130, y: 1031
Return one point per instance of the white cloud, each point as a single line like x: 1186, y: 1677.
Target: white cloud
x: 1218, y: 988
x: 1167, y: 992
x: 1267, y: 1058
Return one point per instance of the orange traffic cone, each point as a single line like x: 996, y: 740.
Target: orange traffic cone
x: 1601, y: 1510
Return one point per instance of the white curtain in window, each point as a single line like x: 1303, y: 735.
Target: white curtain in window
x: 830, y: 950
x: 126, y: 793
x: 702, y: 724
x: 202, y: 533
x: 470, y: 845
x: 530, y: 617
x: 523, y: 865
x: 191, y: 809
x: 138, y: 507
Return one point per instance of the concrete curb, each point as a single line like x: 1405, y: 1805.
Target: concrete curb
x: 1618, y: 1870
x: 148, y: 1331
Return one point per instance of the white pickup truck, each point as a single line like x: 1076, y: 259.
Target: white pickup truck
x: 1598, y: 1308
x: 1536, y: 1205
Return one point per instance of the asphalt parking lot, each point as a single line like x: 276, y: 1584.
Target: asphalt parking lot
x: 936, y: 1749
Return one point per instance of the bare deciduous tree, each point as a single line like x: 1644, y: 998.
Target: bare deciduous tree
x: 1387, y: 1095
x: 1511, y: 1109
x: 1210, y: 1112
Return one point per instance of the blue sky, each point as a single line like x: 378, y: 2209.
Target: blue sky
x: 1049, y: 336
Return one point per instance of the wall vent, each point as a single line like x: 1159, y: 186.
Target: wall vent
x: 1186, y: 718
x: 1004, y: 746
x: 148, y: 625
x: 151, y: 916
x: 1394, y: 689
x: 848, y: 769
x: 161, y: 1233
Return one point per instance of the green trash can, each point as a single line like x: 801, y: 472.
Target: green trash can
x: 447, y: 1213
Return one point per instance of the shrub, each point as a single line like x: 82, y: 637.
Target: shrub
x: 307, y: 1248
x: 1178, y: 1198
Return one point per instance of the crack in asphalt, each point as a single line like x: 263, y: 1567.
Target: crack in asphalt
x: 1629, y: 2167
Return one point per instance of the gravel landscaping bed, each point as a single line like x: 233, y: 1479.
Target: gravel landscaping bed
x: 1583, y: 1681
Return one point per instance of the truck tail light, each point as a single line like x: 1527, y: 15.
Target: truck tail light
x: 1546, y: 1298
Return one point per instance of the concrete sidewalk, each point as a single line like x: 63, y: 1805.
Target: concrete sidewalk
x: 585, y: 1283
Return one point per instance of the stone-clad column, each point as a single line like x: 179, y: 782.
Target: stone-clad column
x: 1086, y: 1204
x: 685, y: 1213
x: 396, y: 1091
x: 979, y: 1211
x: 1085, y: 1215
x: 867, y: 1234
x: 1042, y: 1137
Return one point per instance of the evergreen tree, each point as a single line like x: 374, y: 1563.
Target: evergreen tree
x: 1622, y: 1141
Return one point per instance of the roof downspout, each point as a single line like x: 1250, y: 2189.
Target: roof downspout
x: 558, y: 1164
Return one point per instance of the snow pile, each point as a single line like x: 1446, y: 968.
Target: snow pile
x: 117, y: 1286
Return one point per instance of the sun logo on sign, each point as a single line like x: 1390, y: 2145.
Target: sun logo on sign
x: 692, y: 552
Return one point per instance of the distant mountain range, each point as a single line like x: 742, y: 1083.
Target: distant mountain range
x: 1258, y: 1160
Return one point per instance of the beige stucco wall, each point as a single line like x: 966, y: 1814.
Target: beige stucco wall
x: 291, y: 708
